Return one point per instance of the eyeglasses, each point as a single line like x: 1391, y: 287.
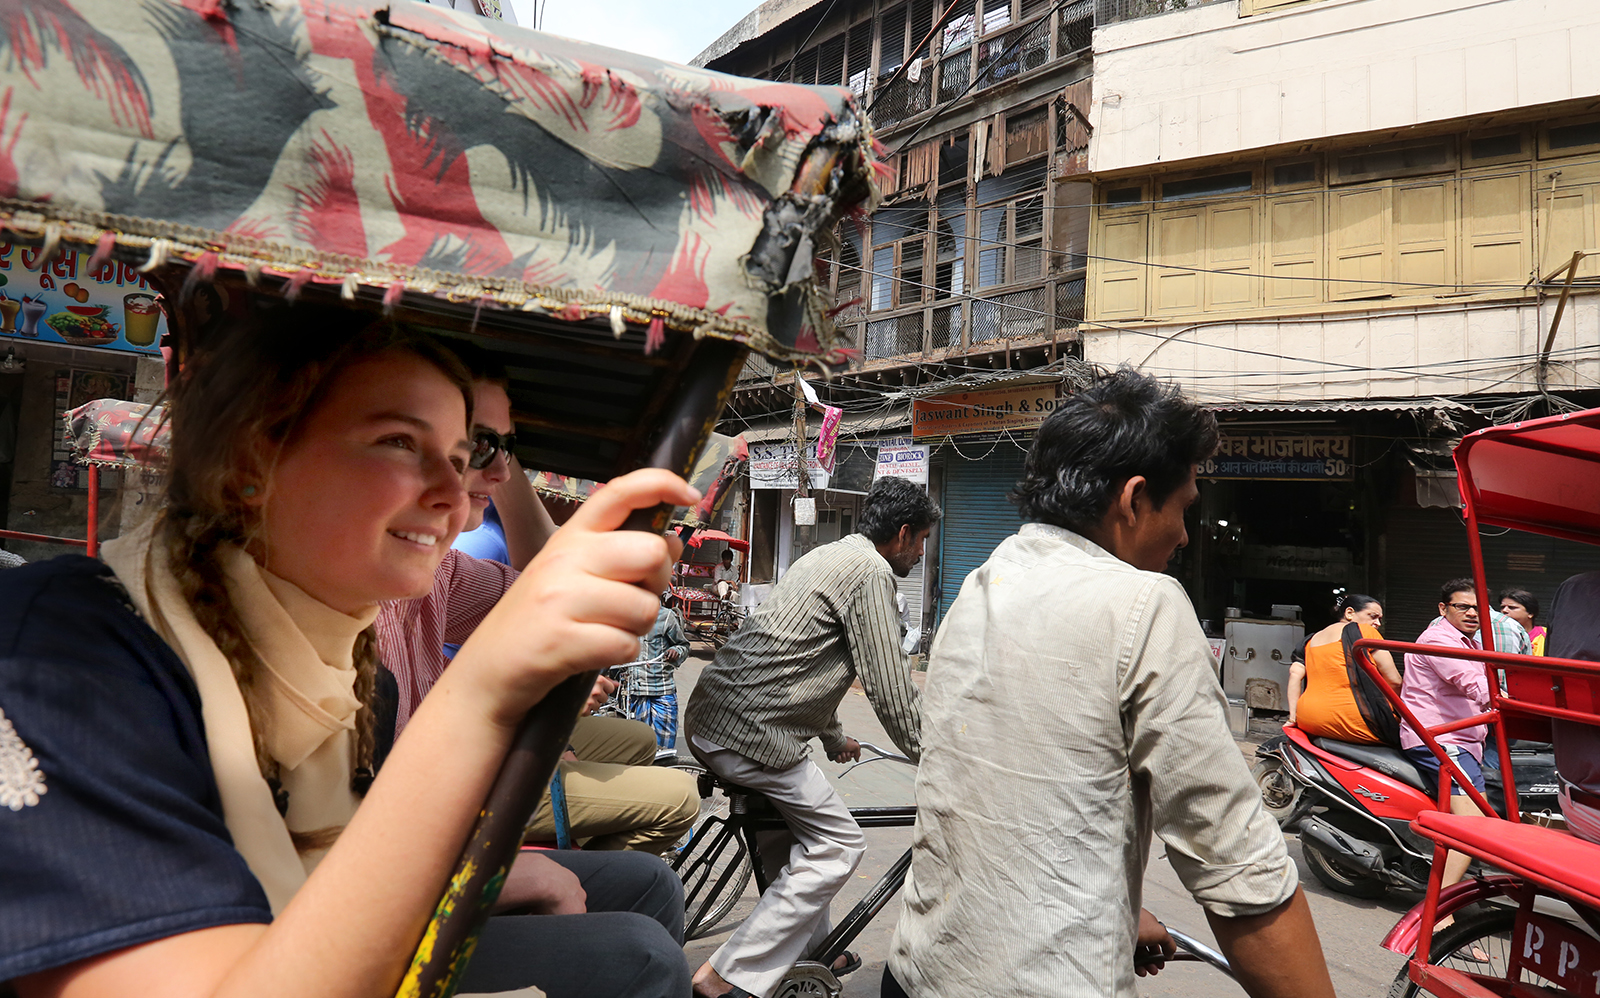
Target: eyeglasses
x: 484, y: 445
x: 1463, y: 607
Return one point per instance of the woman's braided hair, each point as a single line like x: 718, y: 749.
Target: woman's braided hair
x: 242, y: 396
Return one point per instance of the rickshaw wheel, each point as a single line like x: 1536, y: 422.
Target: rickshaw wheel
x: 1488, y: 928
x: 715, y: 805
x: 1338, y: 879
x: 808, y: 980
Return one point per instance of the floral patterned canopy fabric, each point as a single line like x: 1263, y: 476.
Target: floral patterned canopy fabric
x: 407, y: 148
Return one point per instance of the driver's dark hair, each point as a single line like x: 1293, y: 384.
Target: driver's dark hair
x: 480, y: 363
x: 893, y: 503
x: 1461, y: 585
x: 1121, y: 424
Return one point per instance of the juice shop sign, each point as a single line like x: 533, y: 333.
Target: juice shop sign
x: 61, y: 301
x: 986, y: 411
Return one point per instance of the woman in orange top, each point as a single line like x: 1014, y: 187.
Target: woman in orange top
x: 1331, y: 705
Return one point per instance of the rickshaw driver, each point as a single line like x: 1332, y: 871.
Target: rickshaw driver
x: 1071, y: 709
x: 777, y: 684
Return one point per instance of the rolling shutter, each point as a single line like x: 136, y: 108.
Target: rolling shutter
x: 1427, y: 547
x: 977, y: 515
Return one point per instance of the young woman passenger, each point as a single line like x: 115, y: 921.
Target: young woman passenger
x: 1523, y: 607
x: 165, y: 714
x: 1334, y: 703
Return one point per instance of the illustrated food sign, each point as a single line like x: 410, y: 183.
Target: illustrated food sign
x: 986, y: 411
x: 1281, y: 457
x: 61, y: 301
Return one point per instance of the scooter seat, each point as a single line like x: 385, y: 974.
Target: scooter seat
x: 1384, y: 759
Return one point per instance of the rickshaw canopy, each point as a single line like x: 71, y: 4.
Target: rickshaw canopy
x: 1541, y: 475
x: 404, y: 147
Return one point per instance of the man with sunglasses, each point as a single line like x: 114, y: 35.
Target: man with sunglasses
x: 1440, y: 690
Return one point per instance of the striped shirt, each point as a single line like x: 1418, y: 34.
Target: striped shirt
x: 778, y: 681
x: 665, y: 636
x: 1070, y: 711
x: 412, y: 633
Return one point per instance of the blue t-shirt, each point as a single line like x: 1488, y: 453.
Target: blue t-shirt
x: 488, y: 541
x: 117, y: 838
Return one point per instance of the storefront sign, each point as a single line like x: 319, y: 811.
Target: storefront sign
x: 772, y: 466
x: 113, y: 308
x: 986, y: 411
x: 1281, y: 457
x: 1287, y: 561
x: 897, y: 458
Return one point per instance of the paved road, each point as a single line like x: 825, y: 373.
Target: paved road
x: 1350, y: 929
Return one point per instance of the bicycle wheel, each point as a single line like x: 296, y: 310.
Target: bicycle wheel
x: 1489, y: 929
x: 712, y: 862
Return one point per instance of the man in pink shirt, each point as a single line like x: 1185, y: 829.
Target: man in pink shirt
x: 1440, y: 690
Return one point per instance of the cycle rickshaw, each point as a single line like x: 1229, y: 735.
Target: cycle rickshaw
x: 1539, y: 922
x: 618, y: 231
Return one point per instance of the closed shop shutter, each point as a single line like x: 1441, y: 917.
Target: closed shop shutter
x: 977, y: 514
x: 1427, y: 547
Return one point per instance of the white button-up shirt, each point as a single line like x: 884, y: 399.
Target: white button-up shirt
x: 1071, y: 707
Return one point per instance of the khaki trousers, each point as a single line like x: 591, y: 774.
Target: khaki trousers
x: 616, y: 798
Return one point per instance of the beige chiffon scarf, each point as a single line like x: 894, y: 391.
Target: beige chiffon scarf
x: 310, y: 703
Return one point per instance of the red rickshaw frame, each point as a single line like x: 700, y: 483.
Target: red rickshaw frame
x: 1541, y: 476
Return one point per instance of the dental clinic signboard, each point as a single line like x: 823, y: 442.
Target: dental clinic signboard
x: 62, y: 301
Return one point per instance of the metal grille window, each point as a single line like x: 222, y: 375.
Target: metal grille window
x: 955, y: 73
x: 1018, y: 51
x: 1069, y: 303
x: 892, y: 337
x: 921, y: 24
x: 1077, y: 27
x: 946, y: 331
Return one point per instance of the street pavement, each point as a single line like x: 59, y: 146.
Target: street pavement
x: 1350, y: 929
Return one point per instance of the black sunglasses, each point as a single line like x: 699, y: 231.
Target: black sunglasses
x: 484, y: 445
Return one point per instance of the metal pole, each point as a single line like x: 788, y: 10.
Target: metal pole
x: 93, y: 542
x: 452, y: 934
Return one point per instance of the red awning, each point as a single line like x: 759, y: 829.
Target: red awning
x: 1541, y: 475
x: 701, y: 536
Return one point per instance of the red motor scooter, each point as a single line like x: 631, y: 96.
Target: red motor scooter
x: 1353, y: 804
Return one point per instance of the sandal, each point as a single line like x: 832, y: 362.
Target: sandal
x: 852, y: 963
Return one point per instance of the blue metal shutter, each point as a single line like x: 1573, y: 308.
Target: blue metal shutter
x: 977, y: 514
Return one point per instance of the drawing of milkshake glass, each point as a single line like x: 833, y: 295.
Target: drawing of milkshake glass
x: 33, y: 309
x: 8, y: 313
x: 140, y: 317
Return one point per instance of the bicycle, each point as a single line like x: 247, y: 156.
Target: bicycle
x: 721, y: 856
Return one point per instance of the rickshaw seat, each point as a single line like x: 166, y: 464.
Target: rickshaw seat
x: 1565, y: 864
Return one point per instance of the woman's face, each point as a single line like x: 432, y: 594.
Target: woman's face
x: 1371, y: 614
x: 491, y: 410
x: 1516, y: 611
x: 363, y: 505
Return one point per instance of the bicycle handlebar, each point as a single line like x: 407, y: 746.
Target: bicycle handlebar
x: 881, y: 755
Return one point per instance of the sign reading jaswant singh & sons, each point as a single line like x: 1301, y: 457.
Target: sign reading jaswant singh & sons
x: 986, y: 411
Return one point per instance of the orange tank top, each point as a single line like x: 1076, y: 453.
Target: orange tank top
x: 1328, y: 706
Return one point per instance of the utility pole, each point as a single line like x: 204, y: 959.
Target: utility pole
x: 804, y: 533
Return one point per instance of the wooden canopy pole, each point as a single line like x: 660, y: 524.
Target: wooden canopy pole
x: 452, y: 934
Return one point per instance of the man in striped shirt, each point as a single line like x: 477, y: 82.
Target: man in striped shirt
x: 776, y: 685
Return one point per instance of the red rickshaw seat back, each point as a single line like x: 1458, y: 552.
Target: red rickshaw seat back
x: 1562, y: 863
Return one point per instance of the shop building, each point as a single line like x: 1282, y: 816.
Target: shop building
x: 68, y: 336
x: 1349, y: 226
